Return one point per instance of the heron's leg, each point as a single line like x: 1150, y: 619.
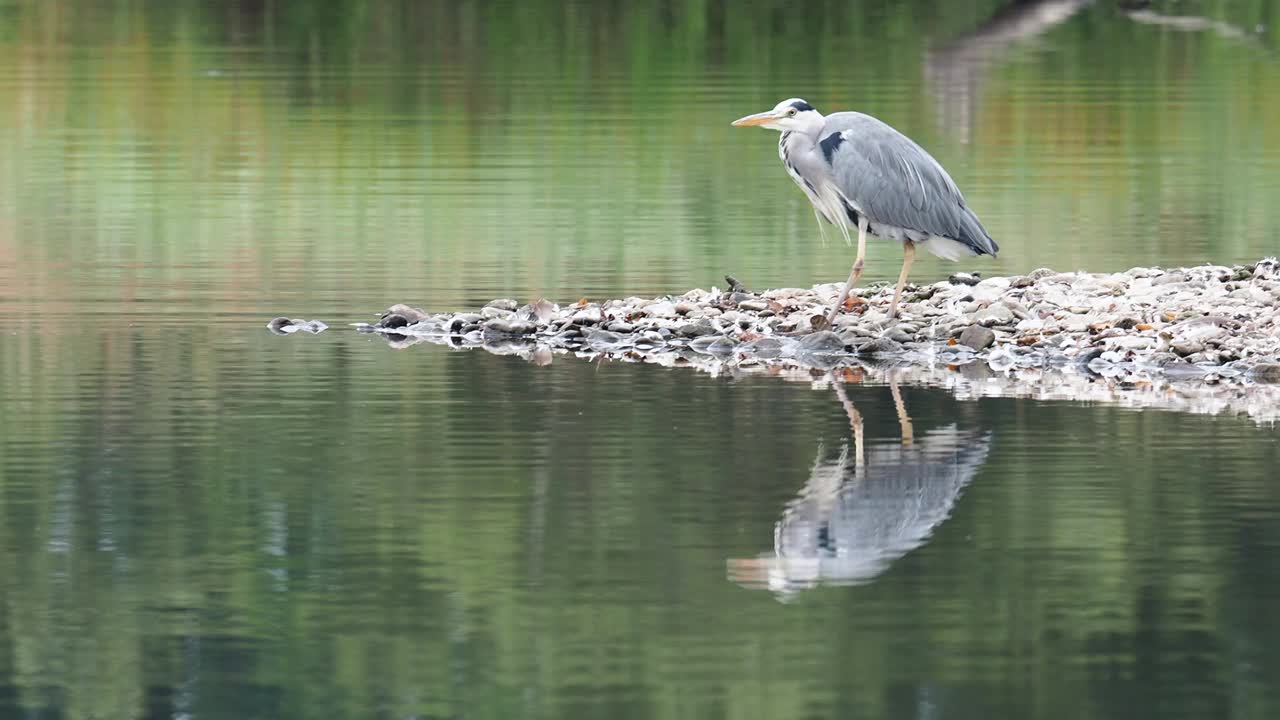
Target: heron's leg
x: 854, y: 273
x: 855, y: 422
x: 908, y: 257
x: 904, y: 420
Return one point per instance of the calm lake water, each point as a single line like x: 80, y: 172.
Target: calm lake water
x: 201, y: 520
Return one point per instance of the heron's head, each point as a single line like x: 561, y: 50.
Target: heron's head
x: 792, y: 115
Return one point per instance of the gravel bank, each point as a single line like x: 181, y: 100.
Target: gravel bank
x: 1210, y: 323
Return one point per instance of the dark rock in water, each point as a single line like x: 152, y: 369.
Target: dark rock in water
x: 393, y: 320
x: 711, y: 345
x: 287, y: 326
x: 1265, y: 373
x: 977, y: 337
x: 881, y: 346
x: 819, y: 343
x: 410, y: 314
x: 964, y: 278
x: 698, y: 329
x: 462, y: 322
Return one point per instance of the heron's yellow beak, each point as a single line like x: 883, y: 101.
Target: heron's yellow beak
x: 758, y: 119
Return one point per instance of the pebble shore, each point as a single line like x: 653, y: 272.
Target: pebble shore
x: 1209, y: 325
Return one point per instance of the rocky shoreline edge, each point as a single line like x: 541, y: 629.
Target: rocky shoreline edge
x: 1211, y: 323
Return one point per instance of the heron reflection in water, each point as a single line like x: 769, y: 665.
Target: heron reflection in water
x: 858, y: 514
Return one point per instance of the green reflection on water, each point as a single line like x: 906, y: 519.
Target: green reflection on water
x: 200, y: 518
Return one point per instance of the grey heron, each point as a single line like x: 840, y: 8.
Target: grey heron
x: 859, y: 172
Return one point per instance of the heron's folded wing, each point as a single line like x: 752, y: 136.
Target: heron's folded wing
x: 894, y: 181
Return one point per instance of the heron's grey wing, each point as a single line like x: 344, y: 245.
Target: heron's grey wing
x: 894, y: 181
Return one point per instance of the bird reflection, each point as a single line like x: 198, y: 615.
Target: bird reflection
x: 1141, y: 12
x: 955, y: 72
x: 858, y: 514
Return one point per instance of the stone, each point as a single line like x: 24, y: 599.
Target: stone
x: 590, y: 315
x: 899, y: 335
x: 1186, y: 346
x: 698, y: 329
x: 462, y: 322
x: 881, y: 346
x: 510, y: 326
x: 713, y: 345
x: 824, y: 342
x: 998, y: 314
x: 977, y: 337
x: 410, y: 314
x: 662, y: 309
x: 488, y: 311
x: 603, y: 339
x: 1265, y: 373
x: 287, y: 326
x: 506, y: 304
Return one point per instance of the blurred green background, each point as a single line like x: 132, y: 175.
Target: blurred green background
x: 200, y: 520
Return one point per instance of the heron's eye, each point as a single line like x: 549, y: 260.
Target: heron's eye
x: 791, y: 112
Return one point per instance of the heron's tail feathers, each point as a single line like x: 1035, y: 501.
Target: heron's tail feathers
x: 975, y: 236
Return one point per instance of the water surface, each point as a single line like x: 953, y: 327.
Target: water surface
x: 200, y: 519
